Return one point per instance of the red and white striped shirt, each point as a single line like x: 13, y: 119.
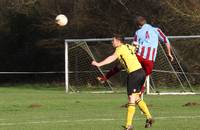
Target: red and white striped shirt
x: 148, y: 38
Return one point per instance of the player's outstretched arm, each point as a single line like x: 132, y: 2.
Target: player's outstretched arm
x: 169, y: 51
x: 106, y: 61
x: 164, y: 39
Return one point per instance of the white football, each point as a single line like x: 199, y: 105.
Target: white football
x: 61, y: 20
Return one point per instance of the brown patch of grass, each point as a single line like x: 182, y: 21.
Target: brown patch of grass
x: 34, y: 106
x: 191, y: 104
x: 149, y: 105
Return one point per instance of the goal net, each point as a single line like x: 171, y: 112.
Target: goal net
x: 81, y: 74
x: 177, y: 77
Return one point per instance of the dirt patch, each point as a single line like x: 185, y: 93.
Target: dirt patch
x: 191, y: 104
x: 149, y: 105
x: 34, y: 106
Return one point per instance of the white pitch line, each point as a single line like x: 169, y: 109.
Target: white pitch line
x: 61, y: 121
x: 178, y: 117
x: 94, y: 120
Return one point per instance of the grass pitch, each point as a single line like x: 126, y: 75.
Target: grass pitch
x: 38, y: 108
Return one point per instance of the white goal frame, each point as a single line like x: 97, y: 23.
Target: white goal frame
x: 68, y: 41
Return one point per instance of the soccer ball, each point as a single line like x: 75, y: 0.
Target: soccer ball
x: 61, y: 20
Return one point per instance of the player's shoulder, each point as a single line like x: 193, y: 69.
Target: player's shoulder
x: 120, y: 50
x: 144, y: 28
x: 124, y: 47
x: 153, y: 27
x: 157, y: 28
x: 147, y: 25
x: 129, y: 46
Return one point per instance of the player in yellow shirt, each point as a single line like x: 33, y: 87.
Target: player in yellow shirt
x: 125, y: 53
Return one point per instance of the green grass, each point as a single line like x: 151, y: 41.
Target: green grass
x: 46, y: 108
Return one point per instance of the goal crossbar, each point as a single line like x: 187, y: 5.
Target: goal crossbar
x: 126, y: 38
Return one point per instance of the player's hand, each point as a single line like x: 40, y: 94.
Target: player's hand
x: 171, y: 57
x: 95, y: 63
x: 102, y: 79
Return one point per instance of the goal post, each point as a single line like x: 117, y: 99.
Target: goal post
x: 66, y: 68
x: 167, y: 77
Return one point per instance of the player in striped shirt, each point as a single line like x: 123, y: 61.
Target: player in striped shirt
x: 147, y: 39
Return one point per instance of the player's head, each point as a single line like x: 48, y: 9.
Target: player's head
x: 140, y: 21
x: 118, y: 40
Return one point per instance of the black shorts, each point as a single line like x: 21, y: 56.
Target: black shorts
x: 135, y: 81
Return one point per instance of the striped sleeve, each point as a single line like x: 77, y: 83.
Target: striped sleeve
x: 162, y: 36
x: 135, y: 40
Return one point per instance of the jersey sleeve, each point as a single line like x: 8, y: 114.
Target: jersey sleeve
x: 135, y: 39
x: 162, y: 36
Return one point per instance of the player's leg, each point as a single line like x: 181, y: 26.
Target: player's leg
x: 141, y: 103
x: 130, y: 112
x: 134, y: 82
x: 143, y: 107
x: 131, y: 101
x: 141, y: 60
x: 110, y: 73
x: 148, y: 68
x: 140, y: 79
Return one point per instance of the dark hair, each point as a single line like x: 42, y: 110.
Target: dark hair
x: 140, y: 20
x: 119, y: 37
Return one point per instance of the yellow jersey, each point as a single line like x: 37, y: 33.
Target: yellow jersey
x: 126, y: 55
